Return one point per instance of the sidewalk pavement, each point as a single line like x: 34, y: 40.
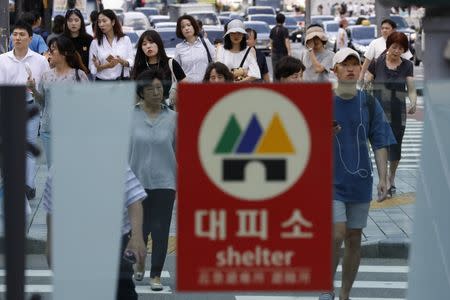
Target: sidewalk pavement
x: 387, y: 235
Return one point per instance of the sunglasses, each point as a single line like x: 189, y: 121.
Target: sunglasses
x: 73, y: 10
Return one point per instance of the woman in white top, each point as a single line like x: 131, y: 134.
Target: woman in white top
x: 111, y: 52
x: 235, y: 54
x: 194, y: 53
x: 342, y: 36
x: 67, y: 68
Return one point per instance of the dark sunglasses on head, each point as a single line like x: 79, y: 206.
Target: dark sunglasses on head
x: 73, y: 10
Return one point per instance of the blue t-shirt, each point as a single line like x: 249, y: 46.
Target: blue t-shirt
x: 352, y: 165
x: 37, y: 44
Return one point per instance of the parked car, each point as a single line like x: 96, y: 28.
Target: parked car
x: 159, y: 18
x: 224, y: 19
x: 322, y: 18
x: 360, y: 37
x: 207, y: 17
x: 291, y: 24
x: 263, y: 33
x: 214, y: 33
x: 258, y: 10
x: 331, y: 30
x: 165, y: 25
x: 300, y: 19
x: 148, y: 11
x: 136, y: 20
x: 269, y: 19
x: 170, y: 40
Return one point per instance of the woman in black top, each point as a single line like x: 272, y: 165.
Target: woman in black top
x: 393, y: 81
x: 150, y: 55
x: 75, y: 29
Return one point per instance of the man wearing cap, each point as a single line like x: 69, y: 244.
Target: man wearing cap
x: 358, y: 119
x: 316, y: 58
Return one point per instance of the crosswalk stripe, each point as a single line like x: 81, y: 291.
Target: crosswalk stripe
x: 48, y: 288
x: 379, y: 269
x: 376, y: 284
x: 49, y: 273
x: 255, y: 297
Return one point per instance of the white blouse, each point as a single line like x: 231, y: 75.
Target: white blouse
x: 120, y: 47
x: 233, y: 60
x: 194, y: 59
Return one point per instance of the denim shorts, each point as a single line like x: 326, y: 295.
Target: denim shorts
x: 353, y: 214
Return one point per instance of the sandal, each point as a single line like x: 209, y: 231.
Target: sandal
x: 393, y: 189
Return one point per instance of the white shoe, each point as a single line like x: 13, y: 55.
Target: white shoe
x: 155, y: 284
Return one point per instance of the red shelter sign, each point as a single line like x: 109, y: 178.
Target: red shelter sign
x: 254, y: 187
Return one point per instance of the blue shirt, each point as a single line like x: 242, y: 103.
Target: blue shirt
x: 37, y: 44
x: 352, y: 165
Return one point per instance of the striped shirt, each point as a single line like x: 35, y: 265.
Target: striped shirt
x: 133, y: 192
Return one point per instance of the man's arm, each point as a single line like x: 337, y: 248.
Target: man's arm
x: 136, y: 243
x: 365, y: 66
x: 381, y: 162
x: 287, y: 42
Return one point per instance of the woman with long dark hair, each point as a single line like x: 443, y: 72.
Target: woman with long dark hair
x: 394, y: 80
x: 67, y: 68
x: 194, y: 53
x: 75, y: 30
x: 235, y: 54
x: 152, y: 158
x: 150, y: 55
x: 111, y: 52
x: 57, y: 27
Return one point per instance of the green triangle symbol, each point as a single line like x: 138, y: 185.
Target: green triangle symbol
x: 229, y: 137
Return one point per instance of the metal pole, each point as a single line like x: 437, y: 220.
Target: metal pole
x: 12, y: 131
x: 308, y: 11
x: 4, y: 25
x: 381, y: 12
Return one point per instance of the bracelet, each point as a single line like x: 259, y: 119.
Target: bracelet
x: 309, y: 49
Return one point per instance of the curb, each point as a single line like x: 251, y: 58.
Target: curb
x: 386, y: 248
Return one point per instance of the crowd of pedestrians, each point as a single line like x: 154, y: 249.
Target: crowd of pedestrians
x: 74, y: 56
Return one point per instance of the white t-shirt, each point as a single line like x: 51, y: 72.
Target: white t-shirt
x: 233, y: 60
x: 341, y: 32
x: 377, y: 47
x: 120, y: 47
x: 13, y: 70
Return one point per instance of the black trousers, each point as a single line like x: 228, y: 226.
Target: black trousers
x: 125, y: 287
x: 158, y: 208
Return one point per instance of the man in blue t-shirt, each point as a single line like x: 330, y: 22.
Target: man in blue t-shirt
x: 358, y: 120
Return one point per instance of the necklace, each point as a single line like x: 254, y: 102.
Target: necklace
x: 148, y: 66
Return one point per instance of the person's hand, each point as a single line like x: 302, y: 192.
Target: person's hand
x: 31, y: 84
x: 337, y: 129
x: 137, y: 246
x: 382, y: 190
x: 310, y: 44
x: 96, y: 61
x: 412, y: 109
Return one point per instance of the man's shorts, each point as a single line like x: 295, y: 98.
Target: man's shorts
x: 353, y: 214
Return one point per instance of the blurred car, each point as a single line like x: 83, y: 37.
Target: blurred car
x: 165, y: 25
x: 148, y: 11
x: 331, y: 30
x: 170, y: 40
x: 157, y: 19
x: 263, y: 33
x: 360, y: 37
x: 269, y: 19
x: 207, y: 17
x: 115, y: 4
x: 136, y: 20
x: 224, y: 19
x: 236, y: 16
x: 300, y: 19
x: 133, y: 35
x: 214, y: 33
x: 320, y: 19
x: 291, y: 24
x: 258, y: 10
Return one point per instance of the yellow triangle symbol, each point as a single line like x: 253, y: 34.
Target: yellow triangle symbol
x: 275, y: 139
